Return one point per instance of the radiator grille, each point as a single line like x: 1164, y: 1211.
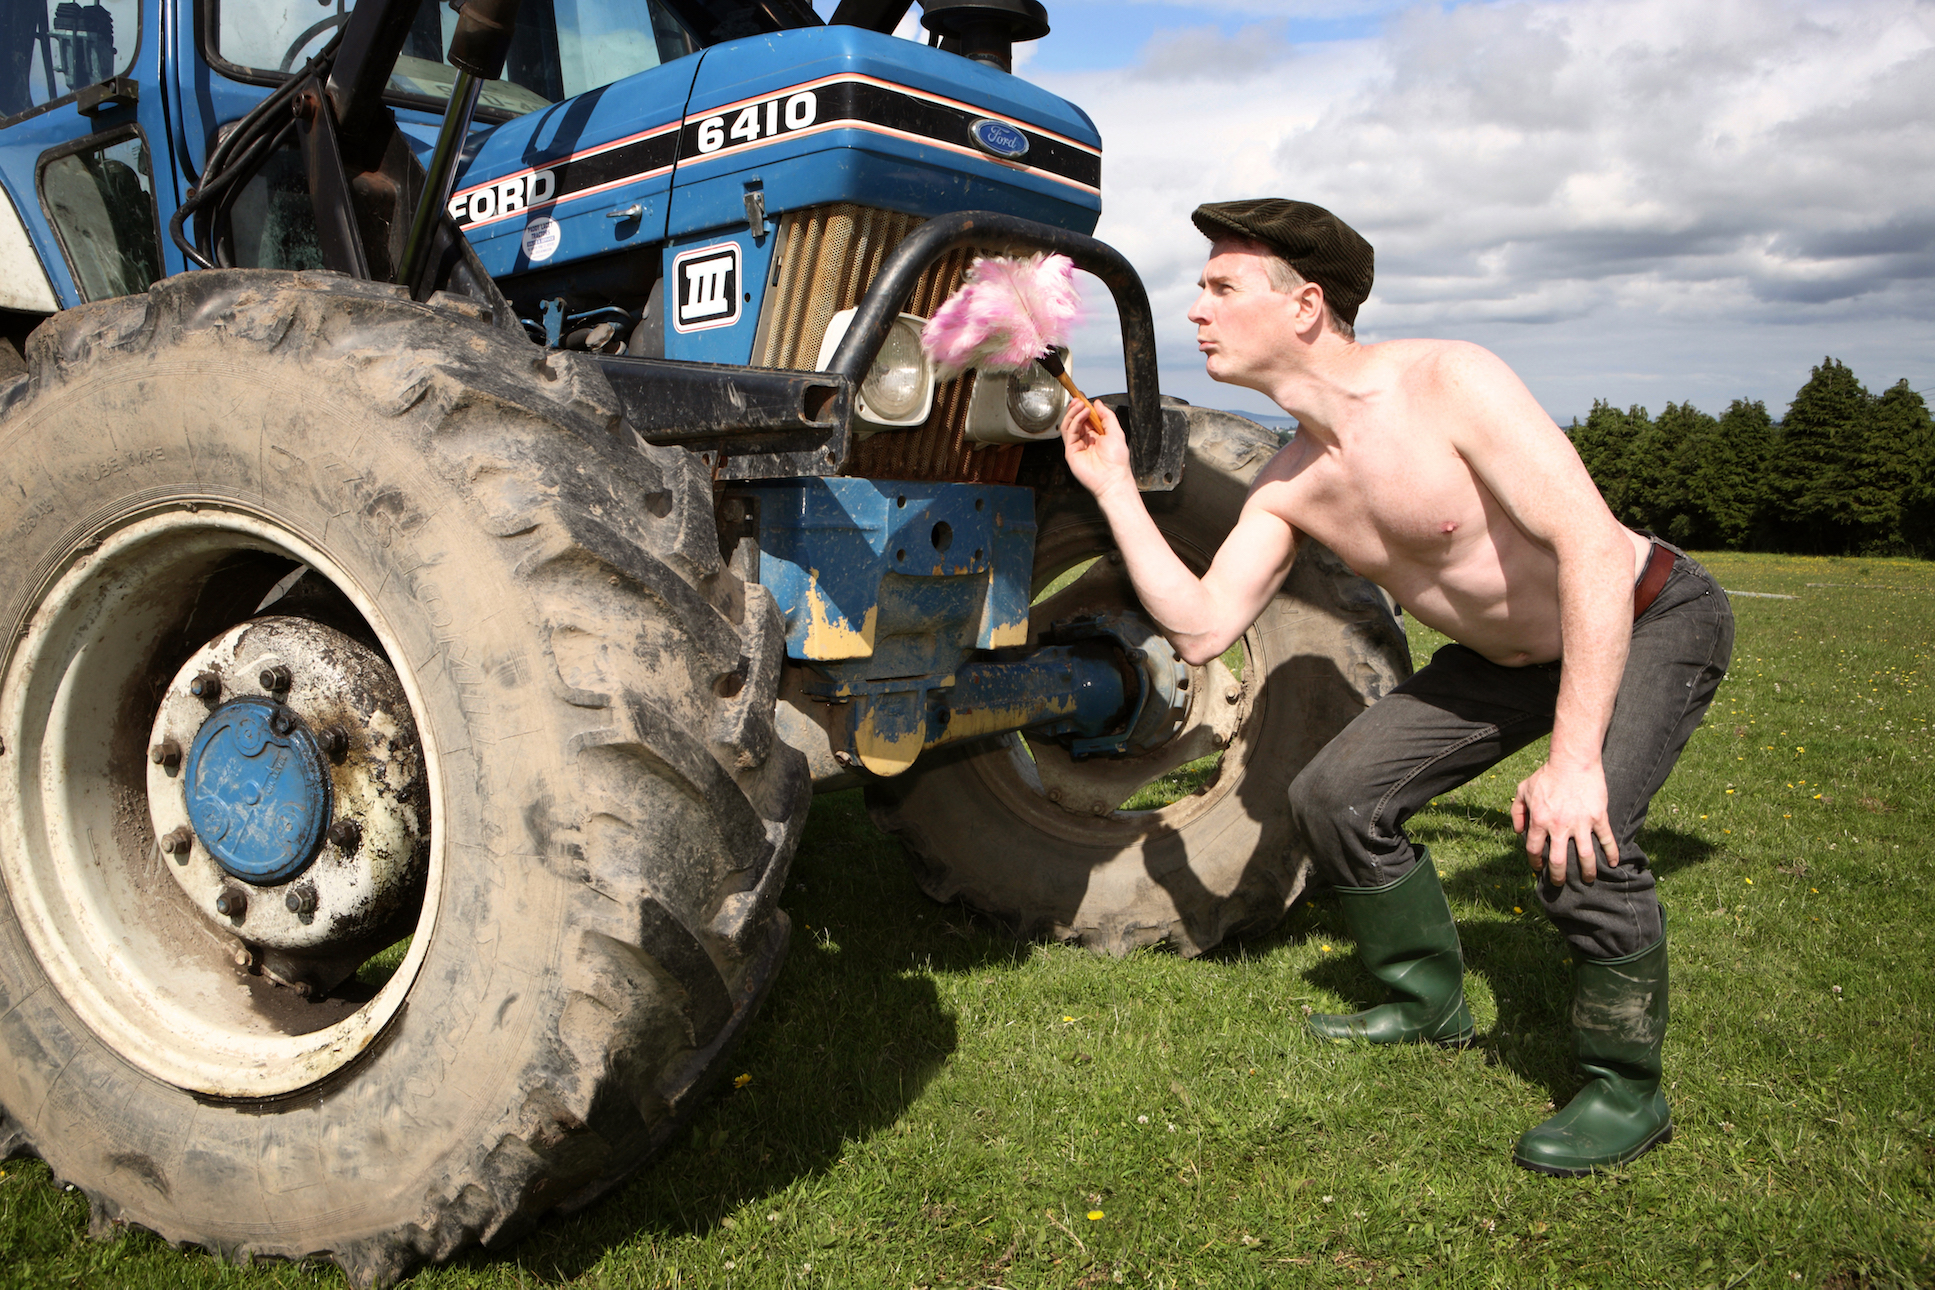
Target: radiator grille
x: 826, y: 257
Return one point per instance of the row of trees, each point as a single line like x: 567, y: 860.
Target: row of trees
x: 1844, y: 472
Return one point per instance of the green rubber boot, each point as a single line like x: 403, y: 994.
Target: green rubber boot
x: 1618, y: 1022
x: 1406, y: 938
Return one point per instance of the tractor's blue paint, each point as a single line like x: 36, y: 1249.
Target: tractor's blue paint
x: 583, y: 129
x: 861, y: 566
x: 1056, y: 690
x: 183, y: 102
x: 758, y: 65
x: 851, y: 164
x: 720, y: 344
x: 1154, y: 700
x: 895, y: 591
x: 698, y: 198
x: 703, y: 199
x: 25, y: 142
x: 259, y: 801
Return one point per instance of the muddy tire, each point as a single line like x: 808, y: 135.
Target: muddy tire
x: 611, y: 817
x: 1019, y: 832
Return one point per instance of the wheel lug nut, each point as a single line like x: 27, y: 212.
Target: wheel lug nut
x: 206, y: 686
x: 301, y: 901
x: 282, y: 721
x: 179, y: 842
x: 274, y: 678
x: 231, y: 903
x: 346, y: 835
x: 335, y: 743
x: 166, y: 753
x: 1233, y: 697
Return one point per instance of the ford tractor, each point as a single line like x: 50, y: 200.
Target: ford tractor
x: 469, y: 476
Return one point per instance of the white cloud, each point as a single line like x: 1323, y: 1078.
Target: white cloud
x: 1304, y: 9
x: 1634, y: 199
x: 1206, y: 54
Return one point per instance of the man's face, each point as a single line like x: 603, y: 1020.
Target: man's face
x: 1242, y: 326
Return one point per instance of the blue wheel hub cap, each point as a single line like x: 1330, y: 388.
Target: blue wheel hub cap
x: 259, y: 800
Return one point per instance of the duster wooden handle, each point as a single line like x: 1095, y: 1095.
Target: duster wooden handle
x: 1051, y: 362
x: 1094, y: 417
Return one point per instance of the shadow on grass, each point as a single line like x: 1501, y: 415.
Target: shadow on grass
x: 852, y: 1033
x: 855, y: 1030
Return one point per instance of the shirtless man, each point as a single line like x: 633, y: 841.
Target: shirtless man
x: 1429, y: 468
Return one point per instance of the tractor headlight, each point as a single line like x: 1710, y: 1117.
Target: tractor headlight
x: 898, y: 390
x: 1016, y: 407
x: 899, y: 385
x: 1035, y: 400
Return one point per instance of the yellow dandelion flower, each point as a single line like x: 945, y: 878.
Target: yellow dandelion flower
x: 740, y: 1081
x: 1750, y: 882
x: 1517, y: 910
x: 1095, y: 1216
x: 1326, y: 949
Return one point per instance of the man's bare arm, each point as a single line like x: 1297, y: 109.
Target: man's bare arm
x: 1533, y: 471
x: 1202, y: 616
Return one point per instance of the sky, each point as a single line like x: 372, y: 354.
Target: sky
x: 1641, y: 201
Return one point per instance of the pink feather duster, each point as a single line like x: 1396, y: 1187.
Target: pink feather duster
x: 1008, y: 314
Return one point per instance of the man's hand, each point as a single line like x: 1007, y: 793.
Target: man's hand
x: 1555, y: 807
x: 1100, y: 463
x: 1201, y: 615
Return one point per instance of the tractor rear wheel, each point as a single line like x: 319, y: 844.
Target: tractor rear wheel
x: 1096, y: 851
x: 314, y: 482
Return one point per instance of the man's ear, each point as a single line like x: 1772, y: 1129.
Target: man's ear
x: 1310, y: 306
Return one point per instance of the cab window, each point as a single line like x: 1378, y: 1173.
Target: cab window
x: 562, y: 47
x: 50, y: 49
x: 99, y: 196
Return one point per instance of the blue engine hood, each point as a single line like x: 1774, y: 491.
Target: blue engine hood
x: 807, y: 117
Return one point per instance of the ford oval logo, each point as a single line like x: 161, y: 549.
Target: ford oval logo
x: 1000, y: 138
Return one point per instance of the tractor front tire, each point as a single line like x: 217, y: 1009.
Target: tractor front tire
x: 611, y: 818
x: 1055, y: 849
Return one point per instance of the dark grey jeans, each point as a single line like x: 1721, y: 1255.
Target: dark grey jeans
x: 1462, y: 714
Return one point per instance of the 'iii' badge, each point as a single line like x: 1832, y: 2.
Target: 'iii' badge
x: 706, y: 283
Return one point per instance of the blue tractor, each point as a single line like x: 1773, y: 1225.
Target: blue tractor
x: 471, y: 475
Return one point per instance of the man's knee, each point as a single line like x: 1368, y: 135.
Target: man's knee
x: 1326, y: 805
x: 1322, y: 799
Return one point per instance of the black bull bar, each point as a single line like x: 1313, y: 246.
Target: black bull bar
x: 771, y: 422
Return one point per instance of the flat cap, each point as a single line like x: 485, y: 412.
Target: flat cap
x: 1321, y: 247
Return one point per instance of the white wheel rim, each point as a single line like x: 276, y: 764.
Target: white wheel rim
x: 1017, y: 776
x: 157, y: 988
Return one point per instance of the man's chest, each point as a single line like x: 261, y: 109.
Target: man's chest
x: 1376, y: 498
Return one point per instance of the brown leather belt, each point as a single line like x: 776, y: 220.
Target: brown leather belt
x: 1659, y: 566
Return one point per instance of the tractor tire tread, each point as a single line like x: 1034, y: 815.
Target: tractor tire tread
x: 600, y: 533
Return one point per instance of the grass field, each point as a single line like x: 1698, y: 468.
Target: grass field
x: 930, y: 1104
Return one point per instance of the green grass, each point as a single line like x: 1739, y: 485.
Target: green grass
x: 932, y: 1105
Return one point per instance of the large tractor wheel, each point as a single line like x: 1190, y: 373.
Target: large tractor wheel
x: 1092, y: 851
x: 391, y: 821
